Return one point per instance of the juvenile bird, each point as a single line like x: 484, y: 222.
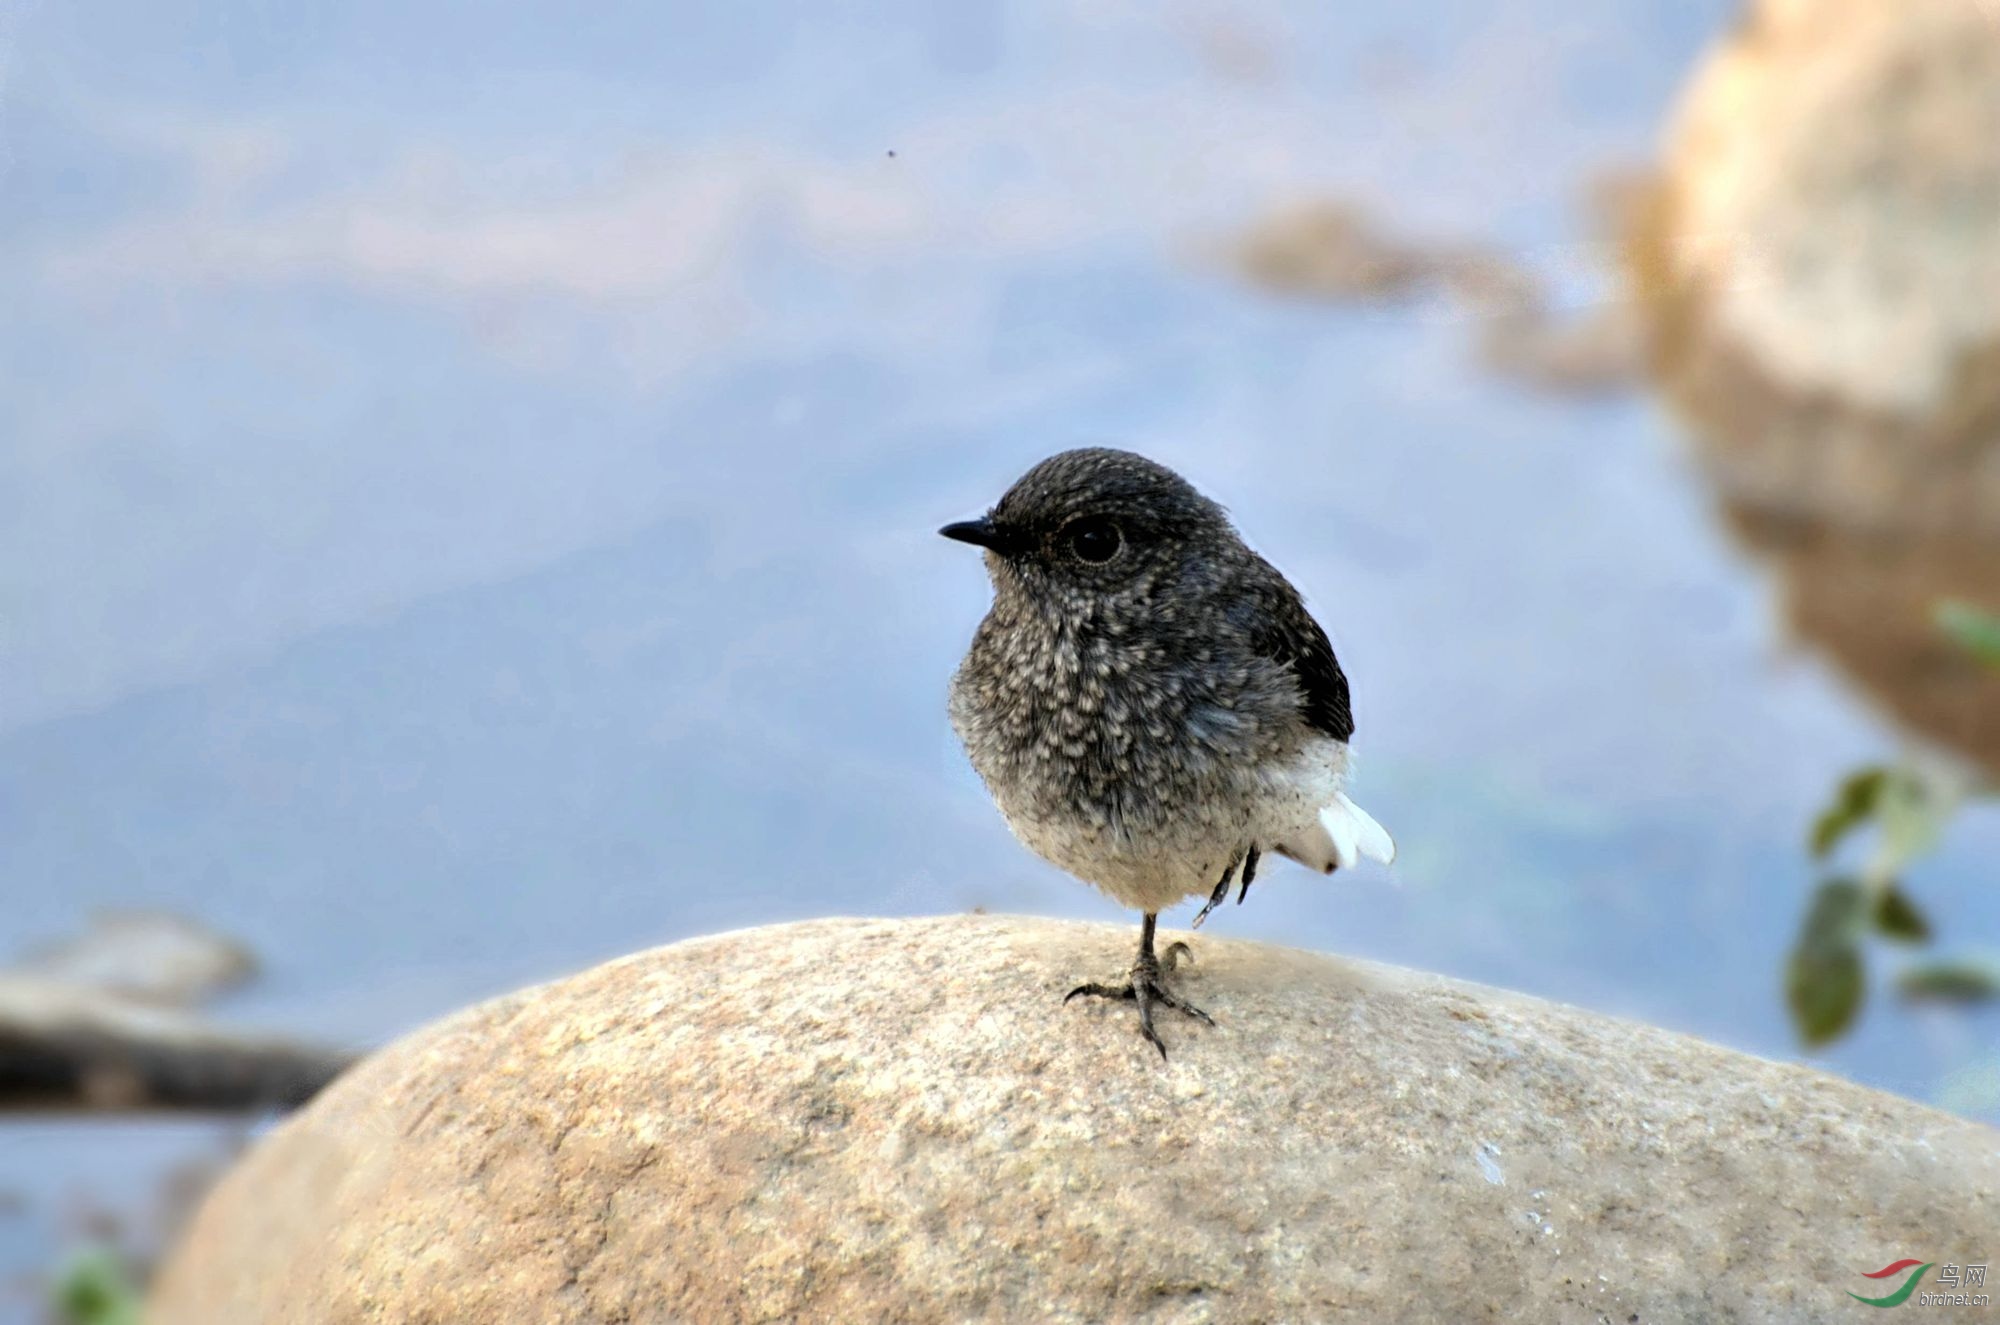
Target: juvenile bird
x: 1149, y: 702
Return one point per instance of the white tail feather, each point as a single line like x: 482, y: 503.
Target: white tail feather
x: 1355, y: 834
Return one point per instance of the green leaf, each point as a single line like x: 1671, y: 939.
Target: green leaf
x: 1975, y: 631
x: 97, y: 1289
x: 1824, y: 977
x: 1823, y: 988
x: 1950, y: 982
x: 1897, y: 917
x: 1913, y: 812
x: 1838, y: 915
x: 1853, y: 805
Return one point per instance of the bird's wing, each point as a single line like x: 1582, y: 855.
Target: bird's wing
x: 1281, y: 629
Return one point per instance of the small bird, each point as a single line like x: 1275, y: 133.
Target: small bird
x: 1148, y: 701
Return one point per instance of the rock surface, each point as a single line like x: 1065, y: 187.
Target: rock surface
x: 899, y: 1121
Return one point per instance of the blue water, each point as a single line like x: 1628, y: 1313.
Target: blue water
x: 467, y: 490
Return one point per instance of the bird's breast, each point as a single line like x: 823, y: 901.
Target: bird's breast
x: 1109, y: 731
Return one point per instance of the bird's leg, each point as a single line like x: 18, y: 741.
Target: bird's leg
x: 1147, y: 986
x: 1249, y: 873
x: 1214, y: 900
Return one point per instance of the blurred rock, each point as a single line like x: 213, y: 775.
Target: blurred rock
x: 147, y: 955
x: 1820, y: 273
x: 900, y: 1121
x: 64, y: 1046
x: 1333, y: 251
x: 93, y: 1023
x: 1598, y: 351
x: 1329, y: 250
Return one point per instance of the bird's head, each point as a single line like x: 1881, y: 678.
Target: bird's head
x: 1094, y: 522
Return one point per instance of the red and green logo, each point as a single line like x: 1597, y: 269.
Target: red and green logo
x: 1901, y: 1295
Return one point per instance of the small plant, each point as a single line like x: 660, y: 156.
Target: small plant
x: 97, y: 1288
x: 1826, y: 976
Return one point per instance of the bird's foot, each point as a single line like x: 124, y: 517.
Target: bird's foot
x: 1147, y: 988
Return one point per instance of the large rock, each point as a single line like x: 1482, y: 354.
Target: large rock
x: 900, y: 1121
x: 1825, y: 257
x: 1820, y: 274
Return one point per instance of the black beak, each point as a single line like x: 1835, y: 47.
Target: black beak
x: 979, y: 533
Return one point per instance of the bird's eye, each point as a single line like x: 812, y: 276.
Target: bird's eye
x: 1093, y: 538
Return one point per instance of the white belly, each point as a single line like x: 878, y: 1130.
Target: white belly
x: 1153, y: 867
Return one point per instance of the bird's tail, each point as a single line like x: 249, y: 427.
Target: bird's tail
x: 1346, y: 834
x: 1353, y: 833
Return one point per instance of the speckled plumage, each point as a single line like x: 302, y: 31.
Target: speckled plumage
x: 1146, y: 722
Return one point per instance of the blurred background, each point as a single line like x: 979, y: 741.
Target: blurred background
x: 468, y: 478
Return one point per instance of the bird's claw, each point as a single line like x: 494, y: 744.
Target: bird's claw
x: 1247, y: 862
x: 1146, y: 988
